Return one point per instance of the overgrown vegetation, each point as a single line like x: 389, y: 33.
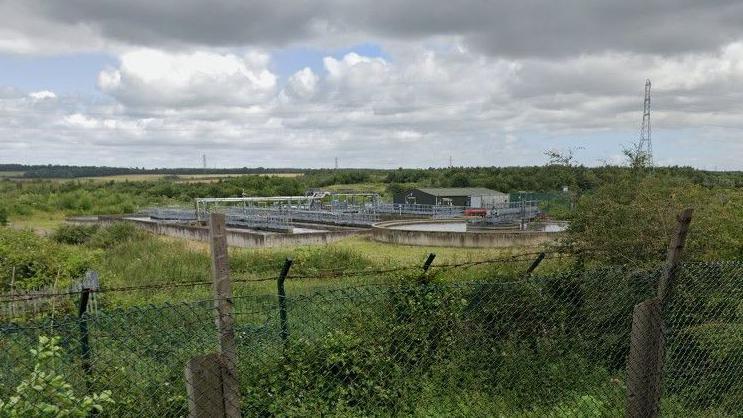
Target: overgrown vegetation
x: 632, y: 219
x: 46, y: 392
x: 423, y: 346
x: 419, y: 345
x: 76, y: 197
x: 30, y: 262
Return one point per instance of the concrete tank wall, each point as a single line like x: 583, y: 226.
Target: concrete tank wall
x: 383, y: 233
x: 235, y: 237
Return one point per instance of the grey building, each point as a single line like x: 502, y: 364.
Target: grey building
x: 473, y: 197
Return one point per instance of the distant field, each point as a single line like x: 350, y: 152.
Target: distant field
x: 5, y: 174
x: 185, y: 178
x: 366, y: 187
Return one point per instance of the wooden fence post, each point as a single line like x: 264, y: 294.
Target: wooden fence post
x: 647, y: 340
x: 223, y: 306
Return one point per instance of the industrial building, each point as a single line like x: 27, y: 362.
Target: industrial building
x: 472, y: 197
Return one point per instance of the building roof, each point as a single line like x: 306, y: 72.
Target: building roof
x: 459, y: 191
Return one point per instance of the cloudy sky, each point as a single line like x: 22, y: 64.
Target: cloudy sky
x: 377, y: 83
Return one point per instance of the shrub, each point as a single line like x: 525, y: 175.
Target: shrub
x: 117, y: 233
x: 46, y: 392
x: 34, y: 261
x: 74, y: 234
x: 632, y: 220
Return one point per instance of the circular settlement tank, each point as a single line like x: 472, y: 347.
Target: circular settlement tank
x: 455, y: 233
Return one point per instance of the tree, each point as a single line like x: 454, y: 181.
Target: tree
x: 636, y: 157
x: 563, y: 158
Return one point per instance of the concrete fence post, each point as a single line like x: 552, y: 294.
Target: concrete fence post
x: 204, y: 387
x: 223, y: 308
x: 645, y: 361
x: 647, y: 340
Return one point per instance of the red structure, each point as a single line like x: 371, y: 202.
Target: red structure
x: 476, y: 212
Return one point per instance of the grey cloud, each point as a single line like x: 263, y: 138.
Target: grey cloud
x: 214, y: 23
x: 524, y: 28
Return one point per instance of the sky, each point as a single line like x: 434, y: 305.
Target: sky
x: 375, y: 83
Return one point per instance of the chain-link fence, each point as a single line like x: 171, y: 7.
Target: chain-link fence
x: 539, y: 346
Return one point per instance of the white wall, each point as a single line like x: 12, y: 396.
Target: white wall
x: 491, y: 200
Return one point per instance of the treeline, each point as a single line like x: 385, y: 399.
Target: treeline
x: 74, y: 171
x: 506, y: 179
x: 549, y: 178
x: 77, y: 196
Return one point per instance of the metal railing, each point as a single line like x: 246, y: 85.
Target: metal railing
x: 441, y: 211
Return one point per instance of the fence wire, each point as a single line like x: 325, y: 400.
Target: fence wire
x: 540, y: 346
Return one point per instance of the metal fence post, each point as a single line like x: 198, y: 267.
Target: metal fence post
x: 283, y: 321
x: 84, y: 335
x: 223, y: 305
x: 534, y: 265
x: 12, y: 292
x: 428, y: 262
x: 647, y: 340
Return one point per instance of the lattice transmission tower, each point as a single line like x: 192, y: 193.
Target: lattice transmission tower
x: 645, y: 145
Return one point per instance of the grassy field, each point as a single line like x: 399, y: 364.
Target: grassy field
x: 10, y: 174
x: 162, y: 260
x: 40, y: 222
x: 131, y: 257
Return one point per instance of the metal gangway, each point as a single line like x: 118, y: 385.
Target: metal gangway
x: 434, y: 211
x: 282, y: 217
x: 206, y: 205
x: 257, y: 218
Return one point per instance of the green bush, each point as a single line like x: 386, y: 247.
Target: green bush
x: 115, y: 234
x: 33, y: 261
x: 74, y: 234
x: 631, y: 220
x: 46, y: 393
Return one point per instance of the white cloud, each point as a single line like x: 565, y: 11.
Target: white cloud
x: 148, y: 77
x: 302, y: 84
x: 414, y: 107
x: 42, y: 95
x: 78, y: 120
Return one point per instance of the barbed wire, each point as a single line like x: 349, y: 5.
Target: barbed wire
x: 321, y: 274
